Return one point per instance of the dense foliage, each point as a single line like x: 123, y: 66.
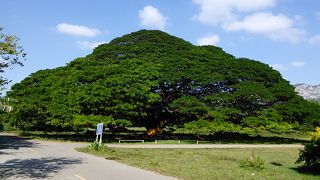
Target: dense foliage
x: 155, y: 80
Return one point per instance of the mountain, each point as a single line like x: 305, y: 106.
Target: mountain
x: 152, y: 79
x: 308, y: 91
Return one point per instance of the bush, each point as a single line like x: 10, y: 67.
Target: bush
x: 279, y: 127
x: 96, y: 147
x: 206, y: 127
x: 310, y: 155
x: 253, y: 161
x: 8, y: 127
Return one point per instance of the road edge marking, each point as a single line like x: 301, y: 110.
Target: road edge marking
x: 80, y: 177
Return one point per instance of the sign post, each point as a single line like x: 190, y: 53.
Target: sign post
x: 99, y: 132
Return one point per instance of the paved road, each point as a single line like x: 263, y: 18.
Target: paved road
x: 35, y: 159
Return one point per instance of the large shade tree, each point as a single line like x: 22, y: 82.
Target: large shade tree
x: 153, y: 79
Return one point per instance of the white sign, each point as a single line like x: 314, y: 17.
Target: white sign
x: 99, y: 129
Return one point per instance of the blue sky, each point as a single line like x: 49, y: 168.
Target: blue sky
x: 282, y: 33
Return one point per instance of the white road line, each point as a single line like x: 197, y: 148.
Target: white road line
x: 80, y: 177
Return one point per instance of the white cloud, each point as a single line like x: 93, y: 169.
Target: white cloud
x: 276, y: 27
x: 284, y: 67
x: 151, y: 18
x: 298, y: 64
x: 261, y: 23
x: 246, y: 15
x: 279, y: 67
x: 77, y: 30
x: 89, y: 45
x: 315, y: 40
x: 214, y: 12
x: 208, y: 40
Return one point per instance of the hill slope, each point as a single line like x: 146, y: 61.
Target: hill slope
x: 153, y: 79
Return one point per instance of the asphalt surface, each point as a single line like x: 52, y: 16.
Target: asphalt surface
x: 34, y: 159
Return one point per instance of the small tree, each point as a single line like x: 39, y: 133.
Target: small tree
x: 310, y: 155
x: 11, y: 53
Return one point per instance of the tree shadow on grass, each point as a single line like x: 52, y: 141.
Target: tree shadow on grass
x: 276, y: 163
x: 35, y: 168
x: 235, y: 137
x: 311, y: 170
x: 222, y: 137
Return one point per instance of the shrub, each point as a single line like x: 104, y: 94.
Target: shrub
x: 310, y: 155
x: 315, y: 135
x: 279, y: 127
x: 96, y: 147
x: 253, y: 161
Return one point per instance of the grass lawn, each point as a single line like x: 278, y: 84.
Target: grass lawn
x: 209, y: 163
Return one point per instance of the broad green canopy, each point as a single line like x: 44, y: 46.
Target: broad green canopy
x: 152, y: 79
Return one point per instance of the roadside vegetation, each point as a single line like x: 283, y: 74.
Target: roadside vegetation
x: 266, y: 163
x: 172, y: 138
x: 189, y: 164
x: 310, y: 155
